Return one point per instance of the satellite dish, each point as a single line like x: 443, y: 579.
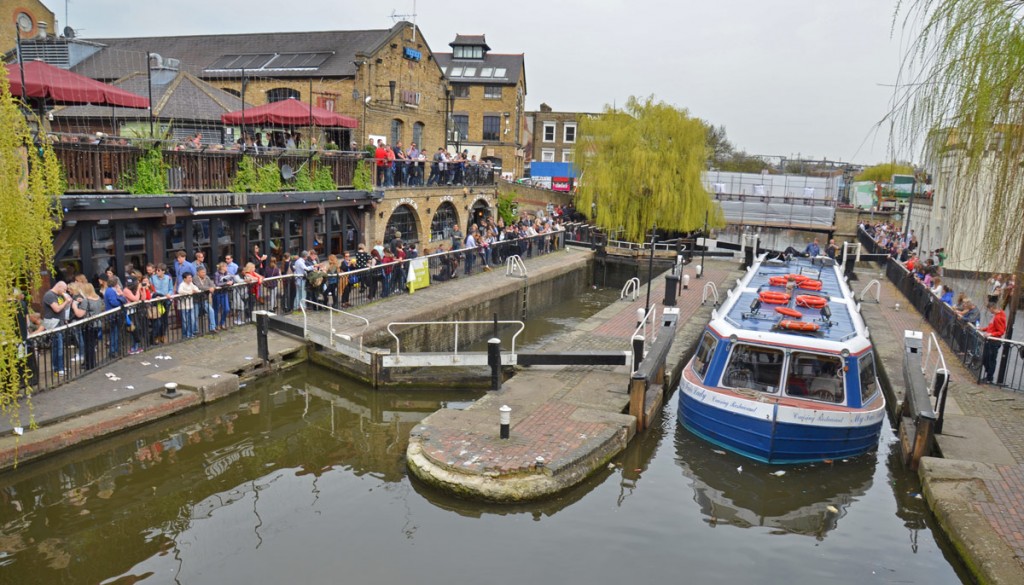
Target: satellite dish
x: 287, y: 173
x: 69, y: 33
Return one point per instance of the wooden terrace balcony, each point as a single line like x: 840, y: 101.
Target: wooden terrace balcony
x: 91, y: 168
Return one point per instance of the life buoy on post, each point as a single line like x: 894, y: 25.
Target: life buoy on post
x: 811, y: 302
x: 773, y: 298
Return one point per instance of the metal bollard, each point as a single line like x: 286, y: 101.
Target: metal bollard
x: 640, y: 313
x: 671, y: 284
x: 686, y: 282
x: 170, y: 390
x: 699, y: 270
x: 494, y: 360
x: 262, y: 328
x: 505, y: 418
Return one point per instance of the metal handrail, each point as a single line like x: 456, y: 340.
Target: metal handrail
x: 940, y: 361
x: 647, y: 320
x: 714, y: 292
x: 330, y: 318
x: 398, y: 343
x: 878, y: 291
x: 515, y: 264
x: 632, y: 286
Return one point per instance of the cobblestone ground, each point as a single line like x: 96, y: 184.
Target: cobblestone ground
x: 1002, y: 409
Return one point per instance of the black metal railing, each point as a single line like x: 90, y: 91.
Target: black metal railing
x: 70, y: 351
x: 971, y: 347
x: 387, y: 173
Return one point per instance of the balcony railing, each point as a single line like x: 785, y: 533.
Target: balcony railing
x: 109, y: 167
x: 410, y: 173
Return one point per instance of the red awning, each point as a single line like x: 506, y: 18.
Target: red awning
x: 289, y: 112
x: 59, y: 86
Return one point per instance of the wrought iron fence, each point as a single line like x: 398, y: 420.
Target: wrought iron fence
x: 1005, y: 357
x: 70, y: 351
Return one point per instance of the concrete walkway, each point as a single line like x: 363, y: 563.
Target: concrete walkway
x: 976, y: 490
x: 567, y: 421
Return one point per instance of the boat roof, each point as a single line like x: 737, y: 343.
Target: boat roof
x: 845, y: 328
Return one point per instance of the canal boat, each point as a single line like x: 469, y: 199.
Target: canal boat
x: 784, y: 371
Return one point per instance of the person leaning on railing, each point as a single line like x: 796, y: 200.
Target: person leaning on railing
x: 993, y: 333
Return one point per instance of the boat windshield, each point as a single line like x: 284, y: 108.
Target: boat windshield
x: 753, y: 367
x: 704, y: 353
x: 868, y: 381
x: 815, y: 376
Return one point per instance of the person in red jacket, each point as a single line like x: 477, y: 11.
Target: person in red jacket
x: 994, y: 331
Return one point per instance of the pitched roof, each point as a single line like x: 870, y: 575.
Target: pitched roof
x: 185, y: 97
x: 290, y: 54
x: 514, y: 66
x: 470, y: 40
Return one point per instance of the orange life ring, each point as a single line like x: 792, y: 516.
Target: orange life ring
x: 778, y: 281
x: 789, y: 312
x: 798, y: 277
x: 798, y: 325
x: 811, y: 302
x: 810, y: 285
x: 773, y: 298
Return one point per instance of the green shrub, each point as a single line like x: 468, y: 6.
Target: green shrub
x: 363, y: 178
x: 150, y: 177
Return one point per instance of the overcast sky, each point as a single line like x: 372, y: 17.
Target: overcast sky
x: 785, y: 77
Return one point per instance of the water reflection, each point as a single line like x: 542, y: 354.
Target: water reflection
x: 128, y: 498
x: 802, y: 499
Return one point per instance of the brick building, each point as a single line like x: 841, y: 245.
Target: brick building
x: 29, y: 19
x: 487, y: 101
x: 553, y: 135
x: 387, y: 79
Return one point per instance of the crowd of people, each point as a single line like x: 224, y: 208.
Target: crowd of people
x: 904, y: 248
x: 397, y: 166
x: 195, y: 297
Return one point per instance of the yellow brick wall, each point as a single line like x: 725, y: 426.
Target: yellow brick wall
x: 507, y: 148
x: 373, y: 78
x: 9, y: 10
x: 424, y: 203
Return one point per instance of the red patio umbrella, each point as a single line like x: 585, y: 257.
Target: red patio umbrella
x: 44, y: 81
x: 289, y: 112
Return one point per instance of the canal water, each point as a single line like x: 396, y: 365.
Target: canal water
x: 301, y: 478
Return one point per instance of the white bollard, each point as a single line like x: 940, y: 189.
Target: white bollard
x: 505, y: 417
x: 686, y: 281
x: 699, y: 270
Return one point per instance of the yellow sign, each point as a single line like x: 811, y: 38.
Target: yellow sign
x: 419, y: 274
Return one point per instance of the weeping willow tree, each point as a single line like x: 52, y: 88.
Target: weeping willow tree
x: 963, y: 90
x: 30, y: 184
x: 643, y: 165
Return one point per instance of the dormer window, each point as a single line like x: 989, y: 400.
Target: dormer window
x: 468, y: 52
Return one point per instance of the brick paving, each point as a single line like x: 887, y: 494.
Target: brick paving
x: 563, y: 414
x: 985, y: 411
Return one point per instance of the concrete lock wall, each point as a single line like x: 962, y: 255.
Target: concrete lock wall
x: 506, y: 300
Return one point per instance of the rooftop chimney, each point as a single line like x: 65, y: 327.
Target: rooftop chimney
x: 41, y: 26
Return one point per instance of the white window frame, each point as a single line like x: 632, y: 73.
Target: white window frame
x: 554, y: 132
x: 565, y: 132
x: 567, y: 155
x: 547, y: 155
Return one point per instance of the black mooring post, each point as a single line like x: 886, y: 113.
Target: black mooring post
x: 262, y: 328
x: 941, y: 389
x: 638, y: 351
x: 494, y: 361
x: 495, y: 324
x: 671, y: 284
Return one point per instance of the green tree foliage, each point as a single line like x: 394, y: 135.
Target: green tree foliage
x: 31, y: 182
x: 741, y: 162
x: 508, y: 206
x: 643, y: 165
x: 319, y: 180
x: 363, y: 178
x: 150, y: 177
x: 883, y: 172
x: 964, y: 80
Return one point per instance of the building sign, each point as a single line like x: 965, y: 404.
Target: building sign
x: 407, y: 201
x: 563, y: 184
x: 412, y: 54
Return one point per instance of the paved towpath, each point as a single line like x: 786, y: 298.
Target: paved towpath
x: 976, y: 489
